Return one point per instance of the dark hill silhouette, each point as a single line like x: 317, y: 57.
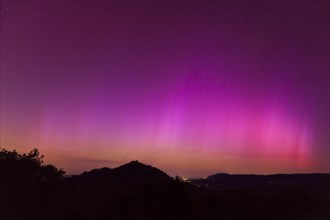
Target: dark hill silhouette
x: 132, y: 173
x: 137, y: 170
x: 135, y: 190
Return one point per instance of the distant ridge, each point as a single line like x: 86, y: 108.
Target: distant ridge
x: 316, y: 183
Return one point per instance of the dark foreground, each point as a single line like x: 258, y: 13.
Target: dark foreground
x: 31, y: 190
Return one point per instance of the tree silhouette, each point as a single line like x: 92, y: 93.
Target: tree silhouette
x: 27, y: 166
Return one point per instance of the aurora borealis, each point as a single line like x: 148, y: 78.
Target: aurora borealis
x: 192, y: 87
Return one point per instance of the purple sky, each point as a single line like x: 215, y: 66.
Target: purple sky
x: 192, y: 87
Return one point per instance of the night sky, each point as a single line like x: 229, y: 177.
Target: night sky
x: 191, y: 87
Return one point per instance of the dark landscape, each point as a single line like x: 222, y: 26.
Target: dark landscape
x: 31, y: 190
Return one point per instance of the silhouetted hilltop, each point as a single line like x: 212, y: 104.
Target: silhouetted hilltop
x: 132, y: 173
x: 131, y: 191
x: 136, y: 170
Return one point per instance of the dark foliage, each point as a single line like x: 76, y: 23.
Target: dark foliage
x: 27, y: 167
x: 31, y: 190
x: 25, y: 184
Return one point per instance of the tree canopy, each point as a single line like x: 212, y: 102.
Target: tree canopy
x: 14, y: 165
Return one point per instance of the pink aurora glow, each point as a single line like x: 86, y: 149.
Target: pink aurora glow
x: 191, y: 115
